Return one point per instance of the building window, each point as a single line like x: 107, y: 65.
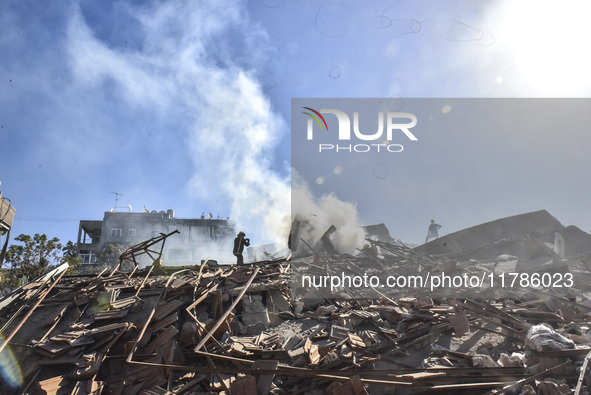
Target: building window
x: 87, y: 259
x: 132, y: 232
x: 115, y: 232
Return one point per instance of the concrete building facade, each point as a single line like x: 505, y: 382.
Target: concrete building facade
x: 199, y: 238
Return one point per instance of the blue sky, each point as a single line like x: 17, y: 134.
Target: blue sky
x: 186, y: 104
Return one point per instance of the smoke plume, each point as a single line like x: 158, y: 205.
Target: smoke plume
x: 314, y: 216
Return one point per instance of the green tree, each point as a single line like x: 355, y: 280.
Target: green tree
x: 109, y: 255
x: 70, y: 256
x: 34, y: 255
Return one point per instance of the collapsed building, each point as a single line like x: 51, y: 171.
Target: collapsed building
x: 260, y: 329
x: 525, y: 236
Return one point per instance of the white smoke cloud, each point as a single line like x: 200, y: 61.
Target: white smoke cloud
x: 200, y: 62
x: 316, y: 214
x: 239, y: 139
x: 192, y: 65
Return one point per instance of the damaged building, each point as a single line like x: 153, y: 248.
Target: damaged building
x: 198, y: 238
x: 260, y: 330
x: 525, y: 236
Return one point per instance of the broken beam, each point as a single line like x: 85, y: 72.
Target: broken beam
x: 228, y: 312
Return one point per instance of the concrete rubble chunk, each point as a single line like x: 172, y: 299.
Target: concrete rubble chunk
x: 254, y: 312
x: 483, y: 361
x: 508, y: 361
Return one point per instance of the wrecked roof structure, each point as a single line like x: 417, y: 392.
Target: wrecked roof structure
x: 259, y: 329
x: 506, y: 236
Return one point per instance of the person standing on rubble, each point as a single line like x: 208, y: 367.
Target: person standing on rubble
x: 432, y: 233
x: 239, y: 242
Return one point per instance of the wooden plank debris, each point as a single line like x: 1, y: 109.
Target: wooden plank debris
x: 189, y: 332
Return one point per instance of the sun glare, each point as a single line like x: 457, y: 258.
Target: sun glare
x: 547, y: 44
x: 10, y: 371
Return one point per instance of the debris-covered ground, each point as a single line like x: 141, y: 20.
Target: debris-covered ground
x: 258, y: 329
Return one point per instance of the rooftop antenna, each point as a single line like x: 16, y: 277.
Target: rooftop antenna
x: 116, y: 199
x: 115, y: 207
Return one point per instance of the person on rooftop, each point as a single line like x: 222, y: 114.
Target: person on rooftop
x: 432, y: 233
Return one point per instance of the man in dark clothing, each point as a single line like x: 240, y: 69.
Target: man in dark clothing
x: 432, y: 233
x: 239, y: 242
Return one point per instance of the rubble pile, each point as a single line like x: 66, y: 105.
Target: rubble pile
x: 256, y: 330
x: 237, y: 330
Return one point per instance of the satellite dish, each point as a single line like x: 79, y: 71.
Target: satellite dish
x: 210, y: 215
x: 130, y: 208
